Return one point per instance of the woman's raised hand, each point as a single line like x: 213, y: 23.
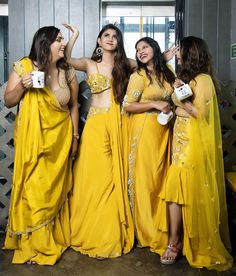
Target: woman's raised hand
x: 72, y: 28
x: 170, y: 52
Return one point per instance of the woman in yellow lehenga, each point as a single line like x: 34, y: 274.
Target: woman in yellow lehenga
x: 195, y: 188
x: 38, y: 228
x: 101, y: 221
x: 148, y: 93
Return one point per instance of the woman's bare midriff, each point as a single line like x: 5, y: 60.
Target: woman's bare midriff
x: 102, y: 99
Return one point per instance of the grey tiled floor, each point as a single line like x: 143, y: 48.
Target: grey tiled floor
x: 139, y: 262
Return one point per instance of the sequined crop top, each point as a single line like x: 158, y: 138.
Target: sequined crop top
x: 98, y: 82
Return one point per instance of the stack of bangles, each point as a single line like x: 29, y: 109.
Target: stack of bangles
x: 76, y: 136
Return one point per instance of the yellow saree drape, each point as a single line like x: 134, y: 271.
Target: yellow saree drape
x: 101, y: 222
x: 148, y: 145
x: 38, y: 219
x: 196, y: 181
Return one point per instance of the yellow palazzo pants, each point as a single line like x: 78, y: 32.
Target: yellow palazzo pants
x: 101, y: 224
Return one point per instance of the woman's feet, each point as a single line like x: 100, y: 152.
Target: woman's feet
x: 172, y: 253
x: 31, y: 262
x: 100, y: 258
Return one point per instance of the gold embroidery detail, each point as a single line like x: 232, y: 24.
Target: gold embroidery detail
x: 19, y: 68
x: 125, y: 101
x: 98, y: 83
x: 96, y: 110
x: 180, y: 141
x: 131, y: 181
x: 136, y: 94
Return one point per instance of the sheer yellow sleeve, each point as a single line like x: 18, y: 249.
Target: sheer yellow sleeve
x: 203, y: 89
x: 134, y: 90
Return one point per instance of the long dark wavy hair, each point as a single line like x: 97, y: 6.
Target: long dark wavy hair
x: 40, y: 52
x: 162, y: 71
x: 121, y: 70
x: 195, y: 59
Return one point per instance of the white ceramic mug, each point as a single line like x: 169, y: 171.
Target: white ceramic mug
x: 164, y: 118
x: 182, y: 92
x: 38, y: 79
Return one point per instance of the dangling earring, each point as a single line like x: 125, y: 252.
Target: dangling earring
x: 99, y: 52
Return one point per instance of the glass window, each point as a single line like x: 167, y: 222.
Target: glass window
x: 139, y: 20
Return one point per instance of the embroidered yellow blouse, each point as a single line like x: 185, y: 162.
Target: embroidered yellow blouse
x: 98, y: 83
x: 144, y: 91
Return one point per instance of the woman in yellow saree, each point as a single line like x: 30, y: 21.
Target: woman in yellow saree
x: 38, y: 228
x: 195, y: 187
x: 148, y: 94
x: 101, y: 221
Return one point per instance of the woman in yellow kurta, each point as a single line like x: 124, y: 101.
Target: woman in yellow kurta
x: 38, y: 227
x: 195, y: 187
x: 148, y: 93
x: 101, y: 221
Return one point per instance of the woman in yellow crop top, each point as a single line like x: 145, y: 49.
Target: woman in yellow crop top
x: 195, y: 187
x: 148, y: 93
x: 101, y: 221
x: 38, y: 226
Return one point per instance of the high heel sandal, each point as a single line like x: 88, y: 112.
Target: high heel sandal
x: 173, y: 252
x: 30, y: 262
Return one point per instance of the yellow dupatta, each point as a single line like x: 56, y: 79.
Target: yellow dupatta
x: 118, y: 175
x: 42, y: 168
x: 206, y: 204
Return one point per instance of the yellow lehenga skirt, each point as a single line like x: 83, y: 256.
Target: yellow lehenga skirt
x: 191, y: 182
x: 101, y: 222
x: 149, y: 160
